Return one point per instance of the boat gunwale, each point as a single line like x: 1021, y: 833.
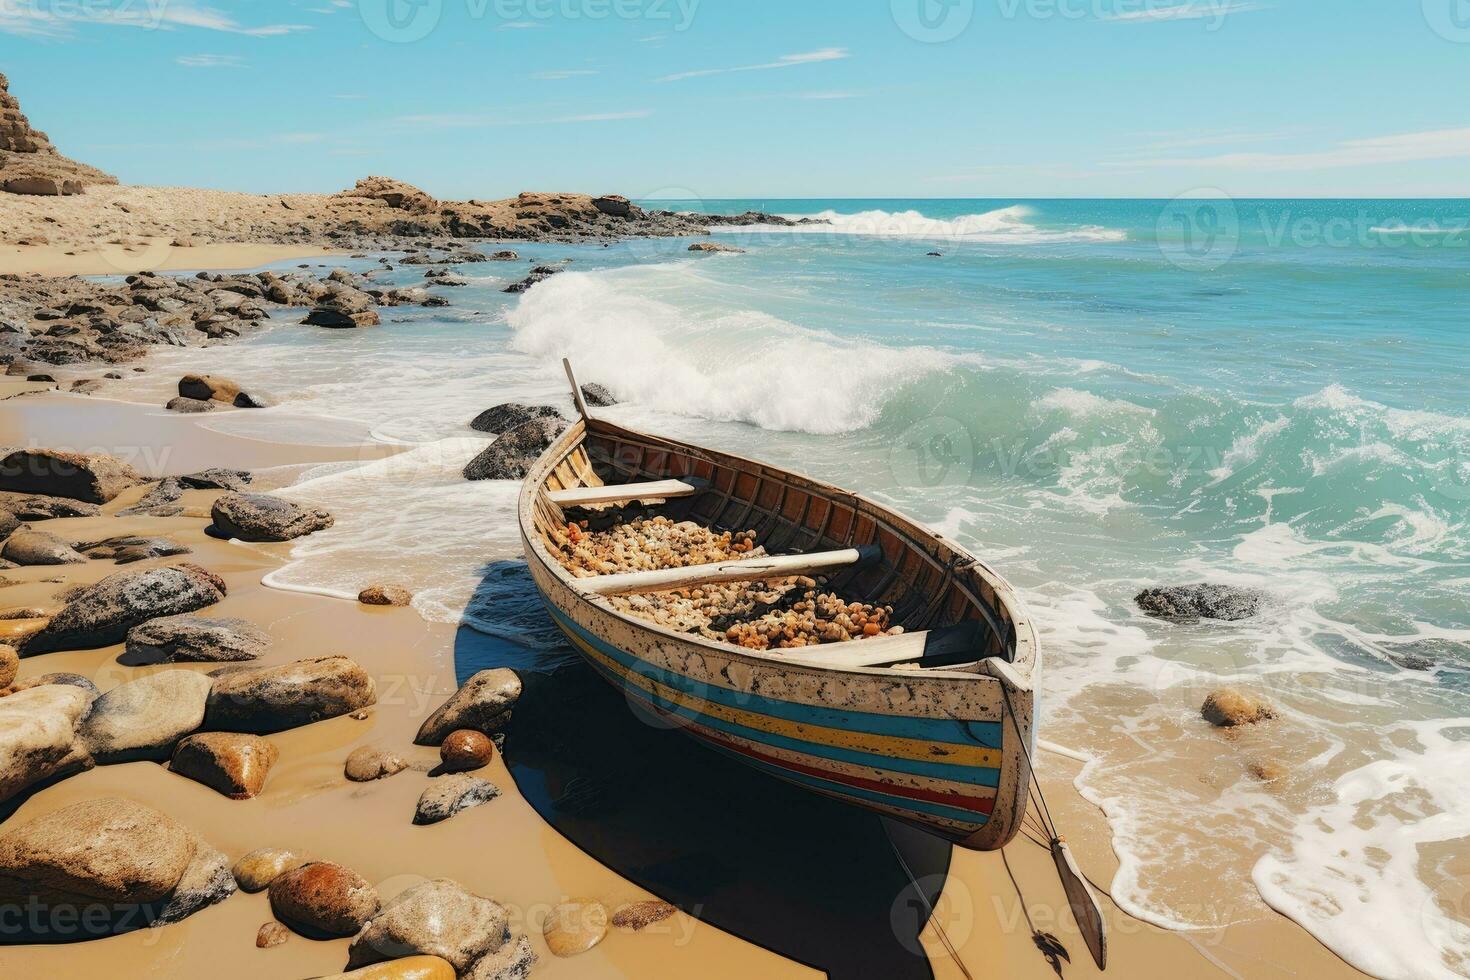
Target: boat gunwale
x: 1024, y: 657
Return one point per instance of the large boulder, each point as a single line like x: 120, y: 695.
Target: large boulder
x: 41, y: 507
x: 512, y: 454
x: 342, y: 319
x: 38, y: 736
x: 232, y: 764
x: 483, y: 704
x: 206, y: 387
x: 323, y: 900
x: 1205, y: 600
x: 394, y: 193
x: 31, y: 547
x: 436, y: 918
x: 102, y: 613
x: 145, y: 718
x: 503, y: 418
x: 597, y: 395
x: 449, y: 795
x: 216, y: 478
x: 128, y: 862
x: 261, y: 517
x: 161, y: 501
x: 93, y: 479
x: 613, y: 205
x: 196, y: 639
x: 273, y: 699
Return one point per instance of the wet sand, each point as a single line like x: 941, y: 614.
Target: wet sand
x: 149, y: 255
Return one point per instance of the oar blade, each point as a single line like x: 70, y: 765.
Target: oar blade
x: 1085, y: 907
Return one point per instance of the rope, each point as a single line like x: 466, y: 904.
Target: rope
x: 929, y: 908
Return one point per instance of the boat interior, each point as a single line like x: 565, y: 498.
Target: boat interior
x: 954, y: 612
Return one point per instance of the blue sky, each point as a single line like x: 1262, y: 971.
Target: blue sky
x: 763, y: 98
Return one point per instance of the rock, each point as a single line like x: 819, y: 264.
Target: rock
x: 234, y: 765
x: 385, y: 595
x: 512, y: 454
x: 483, y: 704
x: 271, y: 934
x: 128, y: 548
x: 144, y: 718
x: 394, y: 193
x: 109, y: 853
x: 369, y: 762
x: 575, y: 927
x: 437, y: 918
x: 339, y: 319
x: 466, y: 749
x: 537, y: 275
x: 29, y: 547
x: 512, y: 962
x: 161, y: 501
x: 190, y: 406
x: 101, y: 614
x: 503, y: 418
x: 255, y: 871
x: 195, y: 639
x: 273, y: 699
x: 640, y: 915
x: 39, y: 507
x: 1227, y: 708
x: 323, y: 900
x: 715, y: 247
x: 38, y: 739
x: 207, y: 387
x: 408, y: 968
x: 92, y: 479
x: 1202, y: 601
x: 259, y: 517
x: 9, y: 664
x: 504, y: 255
x: 64, y: 679
x: 1267, y: 771
x: 614, y: 205
x: 9, y: 523
x: 215, y: 478
x: 451, y: 794
x: 597, y: 396
x: 935, y: 255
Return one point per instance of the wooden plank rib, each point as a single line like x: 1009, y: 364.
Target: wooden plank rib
x: 743, y: 570
x: 881, y: 651
x: 624, y: 492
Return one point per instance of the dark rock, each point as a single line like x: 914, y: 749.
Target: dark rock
x: 216, y: 479
x: 323, y: 900
x: 259, y: 517
x: 161, y: 501
x: 230, y: 763
x: 195, y: 639
x: 597, y: 396
x: 1202, y: 601
x: 614, y: 205
x: 483, y: 704
x: 340, y: 320
x: 511, y: 456
x: 93, y: 479
x: 206, y: 387
x: 538, y: 274
x: 273, y: 699
x: 503, y: 418
x: 449, y: 795
x: 101, y: 614
x: 128, y: 548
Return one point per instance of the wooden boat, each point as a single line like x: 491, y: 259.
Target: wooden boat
x: 933, y: 727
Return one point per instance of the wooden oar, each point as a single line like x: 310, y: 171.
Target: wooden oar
x: 743, y: 570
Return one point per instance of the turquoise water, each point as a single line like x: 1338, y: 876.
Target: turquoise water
x: 1096, y: 396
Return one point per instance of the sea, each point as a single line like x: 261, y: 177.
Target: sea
x: 1096, y: 397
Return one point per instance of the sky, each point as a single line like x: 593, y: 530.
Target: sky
x: 758, y: 98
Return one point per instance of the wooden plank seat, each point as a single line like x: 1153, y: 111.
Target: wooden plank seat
x: 624, y: 492
x: 740, y: 570
x: 930, y: 648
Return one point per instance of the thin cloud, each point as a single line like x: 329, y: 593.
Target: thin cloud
x: 33, y: 20
x: 210, y: 61
x: 785, y: 61
x: 1212, y: 139
x: 825, y: 96
x: 1438, y: 144
x: 564, y: 73
x: 1192, y: 10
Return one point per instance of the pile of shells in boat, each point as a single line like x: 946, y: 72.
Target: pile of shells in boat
x: 818, y: 617
x: 647, y: 544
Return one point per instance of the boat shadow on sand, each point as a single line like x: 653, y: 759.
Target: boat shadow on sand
x: 814, y: 880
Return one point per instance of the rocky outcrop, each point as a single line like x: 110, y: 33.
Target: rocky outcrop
x: 394, y: 193
x: 597, y: 395
x: 512, y: 454
x: 101, y: 614
x: 119, y: 861
x: 503, y: 418
x: 260, y: 517
x: 232, y: 764
x: 615, y: 205
x: 465, y: 750
x: 30, y: 164
x: 1204, y: 600
x: 273, y: 699
x: 483, y: 704
x: 31, y: 547
x: 38, y: 736
x: 323, y: 900
x: 538, y: 274
x: 195, y: 639
x: 715, y: 247
x: 449, y: 795
x: 385, y: 595
x: 437, y: 918
x: 94, y: 479
x: 369, y: 762
x: 1229, y: 708
x: 255, y: 871
x: 145, y: 718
